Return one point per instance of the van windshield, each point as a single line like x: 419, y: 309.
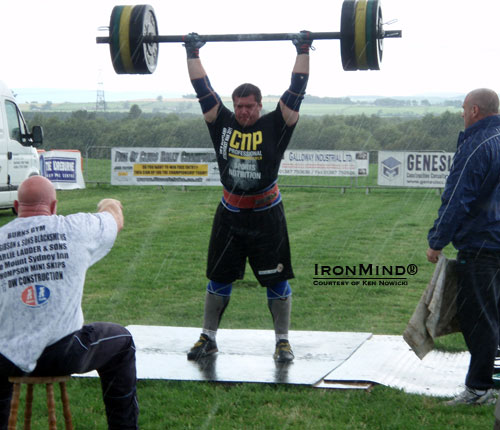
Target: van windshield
x: 15, y: 122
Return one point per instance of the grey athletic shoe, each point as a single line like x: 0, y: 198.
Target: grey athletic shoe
x: 202, y: 348
x: 283, y: 352
x: 471, y: 396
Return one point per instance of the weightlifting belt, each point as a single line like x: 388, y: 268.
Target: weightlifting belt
x: 252, y: 201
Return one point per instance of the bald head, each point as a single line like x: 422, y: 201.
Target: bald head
x: 479, y: 104
x: 36, y: 196
x: 486, y: 100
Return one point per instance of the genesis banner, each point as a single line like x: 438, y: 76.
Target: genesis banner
x: 414, y: 169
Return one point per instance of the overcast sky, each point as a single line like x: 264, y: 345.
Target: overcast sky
x: 448, y: 46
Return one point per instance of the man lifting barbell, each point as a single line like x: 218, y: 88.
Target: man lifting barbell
x: 250, y: 220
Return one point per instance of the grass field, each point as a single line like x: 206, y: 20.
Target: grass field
x: 155, y: 275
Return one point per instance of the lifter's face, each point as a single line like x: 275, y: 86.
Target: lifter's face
x: 246, y: 110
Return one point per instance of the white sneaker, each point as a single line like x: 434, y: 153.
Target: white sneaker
x: 471, y: 396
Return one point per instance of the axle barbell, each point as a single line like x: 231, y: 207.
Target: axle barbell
x: 134, y: 40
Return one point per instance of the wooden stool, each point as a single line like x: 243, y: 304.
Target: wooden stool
x: 48, y: 381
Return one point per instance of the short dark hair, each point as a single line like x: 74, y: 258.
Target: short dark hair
x: 245, y: 90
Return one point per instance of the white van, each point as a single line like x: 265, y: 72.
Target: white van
x: 18, y: 156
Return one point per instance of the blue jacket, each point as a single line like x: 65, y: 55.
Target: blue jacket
x: 469, y: 216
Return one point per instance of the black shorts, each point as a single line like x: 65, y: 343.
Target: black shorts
x: 261, y: 236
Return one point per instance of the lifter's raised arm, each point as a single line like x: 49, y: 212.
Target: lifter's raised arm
x: 208, y: 98
x: 292, y: 98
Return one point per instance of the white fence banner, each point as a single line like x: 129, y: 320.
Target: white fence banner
x: 62, y: 168
x: 414, y: 169
x: 324, y: 163
x: 164, y: 166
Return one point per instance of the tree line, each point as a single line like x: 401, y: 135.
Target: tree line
x: 83, y: 130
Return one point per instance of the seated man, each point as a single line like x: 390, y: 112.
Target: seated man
x: 43, y: 261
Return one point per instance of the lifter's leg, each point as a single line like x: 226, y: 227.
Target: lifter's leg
x: 279, y: 300
x: 216, y: 301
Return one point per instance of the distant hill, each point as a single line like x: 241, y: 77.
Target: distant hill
x: 57, y: 95
x: 46, y: 100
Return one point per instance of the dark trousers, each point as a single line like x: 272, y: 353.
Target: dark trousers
x: 478, y: 300
x: 105, y: 347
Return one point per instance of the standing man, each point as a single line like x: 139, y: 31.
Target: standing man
x: 250, y: 220
x: 469, y: 218
x: 43, y: 261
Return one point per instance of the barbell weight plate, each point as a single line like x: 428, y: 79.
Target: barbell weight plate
x: 373, y: 31
x: 114, y: 39
x: 379, y: 40
x: 144, y: 55
x: 125, y: 48
x: 370, y: 37
x: 347, y: 29
x: 360, y: 35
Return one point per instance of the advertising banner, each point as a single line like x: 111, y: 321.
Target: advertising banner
x: 414, y: 168
x: 324, y: 163
x: 164, y: 166
x: 198, y: 166
x: 62, y: 168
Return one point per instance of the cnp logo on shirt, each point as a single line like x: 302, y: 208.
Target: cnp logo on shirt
x: 35, y: 296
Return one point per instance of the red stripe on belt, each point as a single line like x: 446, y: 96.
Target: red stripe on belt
x: 252, y: 201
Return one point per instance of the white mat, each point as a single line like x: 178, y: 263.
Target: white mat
x: 244, y: 355
x: 389, y: 361
x: 322, y: 359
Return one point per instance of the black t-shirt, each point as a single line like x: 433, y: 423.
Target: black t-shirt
x: 249, y: 157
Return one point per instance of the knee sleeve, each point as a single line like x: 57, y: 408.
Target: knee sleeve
x: 281, y: 290
x: 219, y: 289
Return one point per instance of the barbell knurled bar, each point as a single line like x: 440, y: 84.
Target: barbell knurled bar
x: 250, y: 37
